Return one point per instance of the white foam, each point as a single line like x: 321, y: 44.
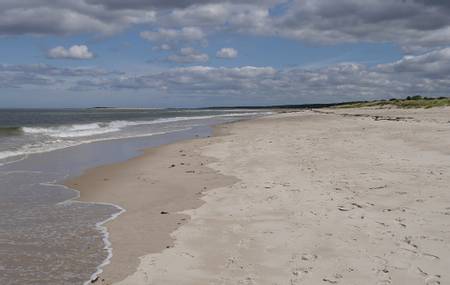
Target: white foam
x: 108, y: 246
x: 99, y: 226
x: 72, y: 131
x: 92, y: 129
x: 33, y: 149
x: 87, y: 132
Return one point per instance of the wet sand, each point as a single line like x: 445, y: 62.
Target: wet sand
x: 348, y: 196
x: 152, y: 189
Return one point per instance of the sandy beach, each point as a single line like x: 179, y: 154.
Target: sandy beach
x: 326, y: 196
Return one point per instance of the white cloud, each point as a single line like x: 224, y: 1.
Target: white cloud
x: 74, y: 52
x: 227, y: 53
x: 18, y: 76
x: 427, y: 74
x: 335, y: 83
x: 165, y: 47
x: 174, y: 36
x: 188, y: 55
x: 433, y: 64
x: 340, y: 82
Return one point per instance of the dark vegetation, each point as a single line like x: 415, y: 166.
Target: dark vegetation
x: 409, y: 102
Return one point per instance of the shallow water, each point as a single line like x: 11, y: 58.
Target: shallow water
x: 46, y: 237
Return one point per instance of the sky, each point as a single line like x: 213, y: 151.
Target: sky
x: 198, y: 53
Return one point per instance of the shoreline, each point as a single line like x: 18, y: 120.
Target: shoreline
x: 347, y: 196
x: 92, y: 174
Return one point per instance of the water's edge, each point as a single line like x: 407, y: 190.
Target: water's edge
x: 100, y: 226
x: 50, y: 210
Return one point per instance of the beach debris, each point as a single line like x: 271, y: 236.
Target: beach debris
x: 164, y: 213
x: 172, y: 165
x: 188, y: 254
x: 95, y: 279
x: 434, y: 280
x: 421, y: 271
x: 329, y: 281
x: 357, y: 205
x: 431, y: 255
x: 408, y: 240
x: 344, y: 209
x: 378, y: 187
x: 308, y: 256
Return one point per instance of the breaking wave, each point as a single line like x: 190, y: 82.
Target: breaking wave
x: 92, y: 129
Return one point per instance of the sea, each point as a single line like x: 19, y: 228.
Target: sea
x: 46, y: 235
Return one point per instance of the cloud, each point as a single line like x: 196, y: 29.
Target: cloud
x: 432, y: 64
x: 188, y: 55
x: 165, y: 39
x: 44, y: 75
x: 427, y: 74
x: 409, y: 23
x: 227, y: 53
x: 164, y: 47
x: 415, y: 25
x: 163, y: 4
x: 340, y: 82
x: 63, y: 17
x: 74, y: 52
x: 235, y: 16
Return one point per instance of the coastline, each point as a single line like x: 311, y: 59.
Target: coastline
x: 334, y: 196
x: 177, y: 159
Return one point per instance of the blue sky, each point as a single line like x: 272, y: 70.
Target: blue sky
x: 127, y: 49
x: 209, y: 53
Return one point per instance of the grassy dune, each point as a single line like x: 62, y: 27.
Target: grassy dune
x: 409, y: 102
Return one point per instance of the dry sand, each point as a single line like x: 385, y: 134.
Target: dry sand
x: 349, y: 196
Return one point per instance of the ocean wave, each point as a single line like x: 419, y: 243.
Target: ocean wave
x: 63, y: 136
x: 28, y: 149
x: 10, y: 131
x: 98, y: 128
x: 72, y: 131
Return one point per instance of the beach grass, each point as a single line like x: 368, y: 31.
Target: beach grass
x: 409, y: 102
